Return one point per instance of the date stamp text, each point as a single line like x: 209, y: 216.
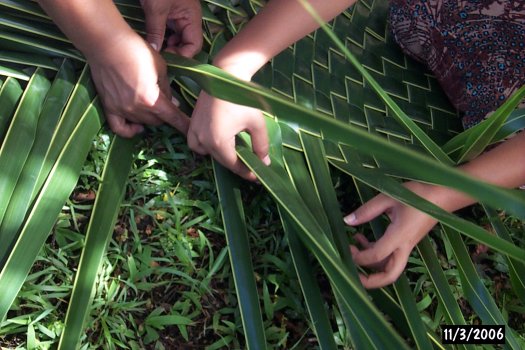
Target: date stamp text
x: 481, y: 334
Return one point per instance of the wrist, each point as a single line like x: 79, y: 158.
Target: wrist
x: 237, y: 69
x: 242, y: 65
x: 110, y: 50
x: 444, y: 197
x: 96, y: 28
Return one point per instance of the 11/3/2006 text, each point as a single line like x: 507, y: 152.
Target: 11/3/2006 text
x: 467, y: 334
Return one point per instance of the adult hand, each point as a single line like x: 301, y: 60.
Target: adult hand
x: 182, y: 16
x: 132, y: 83
x: 389, y: 255
x: 214, y: 125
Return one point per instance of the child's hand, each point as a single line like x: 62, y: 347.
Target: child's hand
x: 214, y: 125
x: 182, y: 16
x: 389, y: 255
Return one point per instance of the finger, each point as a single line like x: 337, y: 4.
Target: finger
x: 393, y: 269
x: 164, y: 86
x: 227, y: 156
x: 242, y: 170
x: 194, y: 144
x: 155, y: 28
x: 366, y: 244
x: 368, y: 211
x: 163, y: 81
x: 363, y: 241
x: 354, y: 250
x: 237, y: 167
x: 121, y: 127
x: 186, y: 50
x: 377, y: 252
x: 166, y: 111
x: 172, y: 42
x: 189, y: 49
x: 257, y: 128
x: 143, y: 117
x: 188, y: 40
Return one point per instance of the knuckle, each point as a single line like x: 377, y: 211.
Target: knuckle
x: 209, y: 142
x: 374, y: 257
x: 194, y: 144
x: 155, y: 35
x: 264, y: 148
x: 126, y: 109
x: 148, y: 101
x: 216, y: 144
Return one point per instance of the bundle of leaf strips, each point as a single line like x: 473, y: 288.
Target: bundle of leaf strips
x: 357, y: 105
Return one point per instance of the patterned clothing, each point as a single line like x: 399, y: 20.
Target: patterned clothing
x: 475, y: 48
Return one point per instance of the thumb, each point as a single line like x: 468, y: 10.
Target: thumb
x: 155, y: 28
x: 368, y: 211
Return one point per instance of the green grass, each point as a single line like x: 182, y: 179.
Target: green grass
x: 166, y: 280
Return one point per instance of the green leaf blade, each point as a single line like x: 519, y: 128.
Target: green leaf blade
x: 240, y: 258
x: 99, y: 232
x: 10, y: 93
x: 48, y: 204
x: 20, y: 138
x: 55, y: 100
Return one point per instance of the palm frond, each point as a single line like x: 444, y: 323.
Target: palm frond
x: 99, y: 231
x: 375, y: 120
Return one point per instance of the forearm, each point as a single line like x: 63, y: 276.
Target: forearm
x: 279, y: 24
x: 94, y: 26
x: 502, y: 166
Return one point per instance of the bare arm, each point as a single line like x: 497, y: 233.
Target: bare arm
x: 215, y: 123
x: 279, y: 24
x: 94, y: 27
x: 503, y: 166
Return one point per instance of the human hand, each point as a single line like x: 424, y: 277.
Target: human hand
x: 182, y: 16
x: 214, y: 125
x: 389, y: 255
x: 132, y: 83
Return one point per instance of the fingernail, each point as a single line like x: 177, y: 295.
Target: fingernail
x: 154, y: 46
x: 175, y: 101
x: 267, y: 160
x: 350, y: 219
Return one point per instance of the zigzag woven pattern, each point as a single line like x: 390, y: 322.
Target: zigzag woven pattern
x: 313, y: 72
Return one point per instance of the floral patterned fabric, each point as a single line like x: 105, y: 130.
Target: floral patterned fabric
x: 475, y: 48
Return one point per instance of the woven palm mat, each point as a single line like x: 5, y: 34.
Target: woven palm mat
x: 314, y: 73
